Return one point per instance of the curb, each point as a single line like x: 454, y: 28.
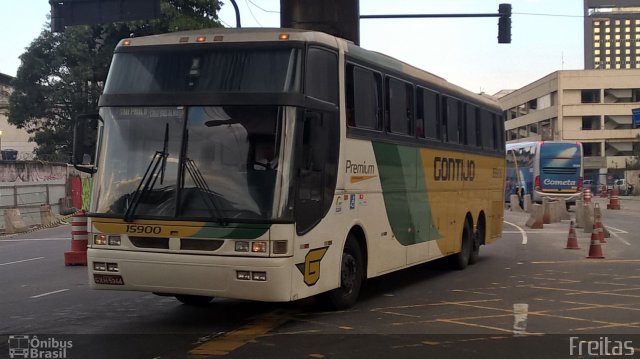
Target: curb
x: 58, y: 222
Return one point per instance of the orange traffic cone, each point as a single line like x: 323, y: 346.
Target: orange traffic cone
x: 79, y: 240
x: 572, y: 240
x: 614, y: 202
x: 586, y: 195
x: 595, y: 249
x: 598, y: 227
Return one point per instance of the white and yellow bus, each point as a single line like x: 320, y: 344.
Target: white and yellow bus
x: 277, y: 164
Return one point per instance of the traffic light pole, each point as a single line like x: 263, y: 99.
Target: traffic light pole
x: 504, y: 23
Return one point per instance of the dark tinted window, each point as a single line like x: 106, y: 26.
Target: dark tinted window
x: 451, y: 119
x: 321, y: 78
x: 486, y: 130
x: 363, y: 98
x: 400, y: 106
x: 427, y: 121
x: 470, y: 129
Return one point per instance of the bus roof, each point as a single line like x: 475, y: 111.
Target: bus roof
x: 234, y: 35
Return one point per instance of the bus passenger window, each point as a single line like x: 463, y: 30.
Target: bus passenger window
x: 363, y: 98
x: 400, y: 105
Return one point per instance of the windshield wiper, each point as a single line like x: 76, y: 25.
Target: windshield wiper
x: 148, y: 181
x: 200, y: 183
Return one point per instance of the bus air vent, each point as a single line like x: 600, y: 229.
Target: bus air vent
x: 150, y: 242
x: 193, y: 244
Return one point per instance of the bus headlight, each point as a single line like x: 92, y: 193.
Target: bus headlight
x: 114, y: 240
x: 280, y: 247
x: 100, y: 239
x: 259, y: 247
x: 242, y: 246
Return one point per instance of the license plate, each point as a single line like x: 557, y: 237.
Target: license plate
x: 108, y: 279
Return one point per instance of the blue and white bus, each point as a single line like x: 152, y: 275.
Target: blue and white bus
x: 552, y: 169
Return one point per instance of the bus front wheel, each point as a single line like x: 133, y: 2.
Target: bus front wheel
x: 351, y: 276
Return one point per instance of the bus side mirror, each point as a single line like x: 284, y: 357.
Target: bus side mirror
x: 85, y: 131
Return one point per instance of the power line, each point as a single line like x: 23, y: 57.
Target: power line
x: 271, y: 11
x: 554, y: 15
x: 251, y: 12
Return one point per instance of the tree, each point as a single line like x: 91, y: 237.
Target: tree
x: 62, y: 74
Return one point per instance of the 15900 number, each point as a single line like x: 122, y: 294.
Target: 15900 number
x: 142, y: 229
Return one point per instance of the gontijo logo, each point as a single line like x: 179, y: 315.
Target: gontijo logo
x: 453, y: 169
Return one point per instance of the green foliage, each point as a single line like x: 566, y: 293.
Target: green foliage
x: 62, y: 75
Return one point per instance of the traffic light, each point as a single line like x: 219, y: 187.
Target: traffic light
x: 504, y: 24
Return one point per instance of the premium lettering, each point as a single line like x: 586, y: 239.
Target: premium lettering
x: 360, y: 168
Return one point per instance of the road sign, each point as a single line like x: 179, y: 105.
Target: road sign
x: 636, y: 117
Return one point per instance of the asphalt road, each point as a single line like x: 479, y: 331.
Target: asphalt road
x: 526, y: 297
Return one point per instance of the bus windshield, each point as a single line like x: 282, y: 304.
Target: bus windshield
x: 219, y: 69
x: 213, y: 163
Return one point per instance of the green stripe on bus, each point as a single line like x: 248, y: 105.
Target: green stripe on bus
x: 405, y: 193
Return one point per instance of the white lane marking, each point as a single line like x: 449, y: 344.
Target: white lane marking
x: 49, y: 293
x: 617, y: 229
x: 35, y: 239
x: 24, y: 260
x: 522, y: 232
x: 620, y: 238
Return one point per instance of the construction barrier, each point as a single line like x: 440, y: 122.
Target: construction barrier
x: 79, y: 241
x: 579, y: 214
x: 13, y: 222
x: 515, y: 203
x: 595, y: 249
x: 527, y: 203
x: 535, y: 220
x: 614, y: 201
x: 47, y: 217
x: 588, y: 218
x: 562, y: 210
x: 546, y: 211
x: 572, y: 239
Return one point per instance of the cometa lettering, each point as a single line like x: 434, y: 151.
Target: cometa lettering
x: 360, y: 168
x: 453, y: 169
x: 550, y: 182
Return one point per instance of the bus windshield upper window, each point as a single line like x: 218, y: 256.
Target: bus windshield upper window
x: 220, y: 70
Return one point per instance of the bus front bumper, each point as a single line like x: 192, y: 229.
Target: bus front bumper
x: 215, y: 276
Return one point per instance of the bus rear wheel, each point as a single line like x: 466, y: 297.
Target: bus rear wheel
x: 460, y: 260
x: 351, y: 276
x: 478, y: 239
x: 194, y: 300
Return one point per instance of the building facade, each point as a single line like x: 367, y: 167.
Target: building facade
x: 11, y: 137
x: 611, y: 34
x: 590, y: 106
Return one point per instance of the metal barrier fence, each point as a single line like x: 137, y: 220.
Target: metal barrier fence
x: 28, y: 197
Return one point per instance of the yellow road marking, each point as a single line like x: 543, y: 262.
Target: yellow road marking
x: 233, y: 340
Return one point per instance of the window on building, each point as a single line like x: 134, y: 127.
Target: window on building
x: 590, y: 123
x: 591, y: 96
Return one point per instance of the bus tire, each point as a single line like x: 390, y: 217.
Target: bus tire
x: 351, y: 276
x: 478, y: 239
x: 194, y: 300
x: 461, y: 260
